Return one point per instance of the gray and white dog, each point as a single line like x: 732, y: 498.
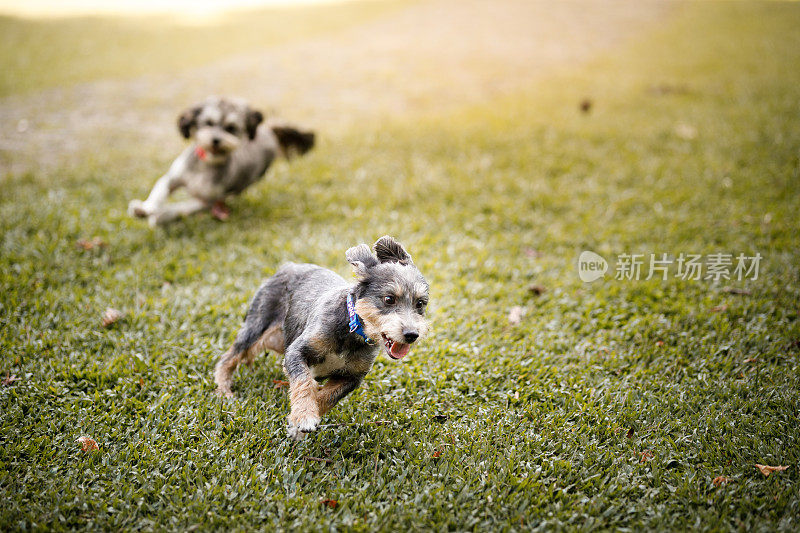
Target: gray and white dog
x: 233, y: 148
x: 329, y: 329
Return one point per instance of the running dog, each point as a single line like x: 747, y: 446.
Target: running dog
x: 329, y: 329
x: 233, y: 148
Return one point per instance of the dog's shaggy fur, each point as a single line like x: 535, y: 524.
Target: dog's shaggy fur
x: 302, y: 311
x: 233, y: 148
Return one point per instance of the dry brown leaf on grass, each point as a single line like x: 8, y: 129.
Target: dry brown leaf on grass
x: 719, y: 308
x: 720, y: 480
x: 9, y: 379
x: 666, y: 88
x: 767, y: 470
x: 88, y: 444
x: 330, y: 503
x: 111, y: 316
x: 515, y: 315
x: 537, y: 290
x: 437, y: 454
x: 646, y: 456
x: 736, y: 290
x: 279, y: 383
x: 91, y: 244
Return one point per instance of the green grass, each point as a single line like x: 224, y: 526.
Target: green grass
x: 546, y: 421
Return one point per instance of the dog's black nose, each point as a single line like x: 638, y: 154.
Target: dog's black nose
x: 215, y: 142
x: 410, y: 336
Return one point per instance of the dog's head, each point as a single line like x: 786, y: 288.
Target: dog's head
x: 392, y: 295
x: 218, y: 125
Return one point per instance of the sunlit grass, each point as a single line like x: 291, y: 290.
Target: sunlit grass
x: 611, y: 405
x: 41, y: 53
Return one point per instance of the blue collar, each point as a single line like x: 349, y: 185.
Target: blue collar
x: 356, y: 326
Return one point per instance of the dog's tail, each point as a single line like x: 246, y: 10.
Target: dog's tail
x: 293, y: 141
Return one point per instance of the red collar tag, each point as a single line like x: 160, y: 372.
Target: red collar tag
x: 200, y: 153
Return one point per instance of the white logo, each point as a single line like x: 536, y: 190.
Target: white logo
x: 591, y: 266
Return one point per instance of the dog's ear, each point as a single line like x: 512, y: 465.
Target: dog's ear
x: 188, y: 120
x: 389, y: 250
x: 361, y: 258
x: 251, y: 122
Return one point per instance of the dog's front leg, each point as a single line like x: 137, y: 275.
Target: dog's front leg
x: 304, y: 416
x: 158, y: 195
x: 334, y: 390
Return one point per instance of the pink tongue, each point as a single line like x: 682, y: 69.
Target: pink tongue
x: 400, y: 350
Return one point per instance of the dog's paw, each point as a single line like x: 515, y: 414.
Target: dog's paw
x: 136, y: 209
x: 298, y: 429
x: 224, y: 393
x: 220, y: 211
x: 160, y: 218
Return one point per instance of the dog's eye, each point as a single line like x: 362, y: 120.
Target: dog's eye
x: 231, y: 128
x: 389, y: 300
x: 421, y: 304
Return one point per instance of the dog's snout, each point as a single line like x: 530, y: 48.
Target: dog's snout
x: 215, y: 142
x: 410, y: 335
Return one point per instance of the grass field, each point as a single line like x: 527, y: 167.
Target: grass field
x: 54, y: 52
x: 610, y: 405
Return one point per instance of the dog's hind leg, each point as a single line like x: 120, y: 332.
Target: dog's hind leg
x: 170, y: 212
x: 262, y: 330
x: 271, y: 339
x: 224, y: 370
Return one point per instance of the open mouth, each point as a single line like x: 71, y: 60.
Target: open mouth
x: 395, y: 350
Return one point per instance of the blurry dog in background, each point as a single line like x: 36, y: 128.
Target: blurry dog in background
x: 233, y: 148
